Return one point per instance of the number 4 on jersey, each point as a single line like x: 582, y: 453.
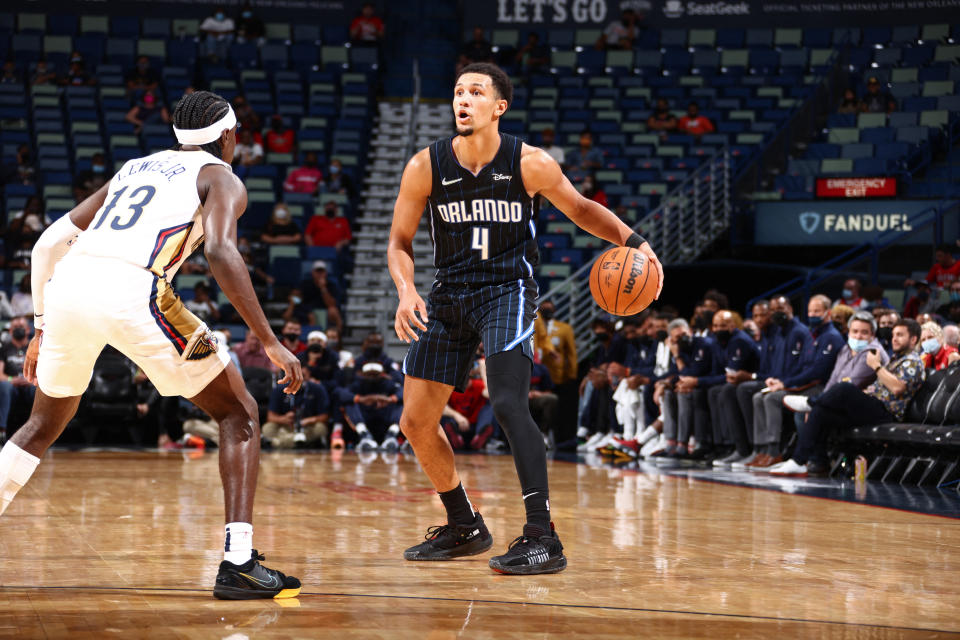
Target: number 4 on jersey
x: 481, y: 241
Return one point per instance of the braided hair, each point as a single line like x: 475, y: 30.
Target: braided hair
x: 198, y: 110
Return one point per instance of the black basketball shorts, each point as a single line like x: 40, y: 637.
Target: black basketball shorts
x: 460, y: 317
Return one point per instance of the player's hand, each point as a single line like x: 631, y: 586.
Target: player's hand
x: 30, y: 360
x: 288, y: 363
x: 406, y: 319
x: 648, y: 251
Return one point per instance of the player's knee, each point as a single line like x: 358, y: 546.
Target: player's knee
x: 508, y: 406
x: 413, y: 428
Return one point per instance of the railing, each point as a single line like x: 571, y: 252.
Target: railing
x: 688, y: 220
x: 804, y: 286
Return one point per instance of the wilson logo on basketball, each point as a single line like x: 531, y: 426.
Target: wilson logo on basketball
x: 635, y: 270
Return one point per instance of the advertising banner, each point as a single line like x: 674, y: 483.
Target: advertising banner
x: 838, y: 222
x: 313, y: 11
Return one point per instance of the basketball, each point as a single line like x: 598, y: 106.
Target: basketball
x: 623, y: 282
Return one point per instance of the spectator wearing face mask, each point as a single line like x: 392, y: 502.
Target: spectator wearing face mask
x: 297, y: 420
x: 590, y: 189
x: 338, y: 181
x: 248, y: 153
x: 921, y: 302
x: 77, y: 75
x: 250, y: 28
x: 281, y: 139
x: 148, y: 109
x: 320, y: 291
x: 661, y: 120
x: 372, y: 405
x: 548, y: 143
x: 329, y: 229
x: 583, y: 160
x: 281, y: 229
x: 850, y: 296
x: 14, y: 388
x: 43, y: 73
x: 695, y: 124
x: 934, y: 350
x: 202, y: 304
x: 92, y: 179
x: 885, y: 323
x: 290, y: 337
x: 305, y: 179
x: 371, y: 350
x: 324, y: 363
x: 218, y: 34
x: 142, y: 78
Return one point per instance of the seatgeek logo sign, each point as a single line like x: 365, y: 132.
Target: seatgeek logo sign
x: 677, y: 9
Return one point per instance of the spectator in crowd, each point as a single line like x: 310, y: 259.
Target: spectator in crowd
x: 554, y: 341
x: 840, y: 315
x: 202, y: 304
x: 281, y: 229
x: 934, y: 350
x: 248, y: 153
x: 223, y: 337
x: 684, y: 401
x: 548, y: 137
x: 885, y: 323
x: 323, y: 363
x: 877, y: 99
x: 10, y: 73
x: 339, y: 182
x: 305, y: 179
x: 851, y: 365
x: 248, y: 118
x: 251, y: 353
x: 280, y: 137
x: 92, y: 179
x: 22, y: 300
x: 590, y: 189
x: 43, y: 73
x: 751, y: 329
x: 951, y: 334
x: 250, y: 27
x: 461, y: 416
x: 298, y: 420
x: 218, y: 31
x: 621, y: 33
x: 372, y: 405
x: 584, y: 160
x: 142, y: 78
x: 845, y: 405
x: 333, y: 343
x: 920, y: 302
x: 736, y: 357
x: 850, y: 296
x: 290, y: 337
x: 148, y: 109
x: 29, y: 222
x: 25, y: 173
x: 849, y: 103
x: 695, y: 124
x: 785, y: 347
x: 661, y: 120
x: 476, y: 50
x: 6, y: 310
x: 945, y: 268
x: 371, y: 350
x: 330, y: 229
x: 367, y: 28
x: 808, y: 381
x: 15, y: 390
x: 297, y: 310
x: 544, y: 402
x: 21, y: 255
x: 77, y: 75
x: 321, y: 292
x: 951, y: 308
x: 533, y: 56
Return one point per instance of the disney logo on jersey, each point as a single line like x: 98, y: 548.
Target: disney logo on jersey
x: 481, y: 210
x: 500, y: 176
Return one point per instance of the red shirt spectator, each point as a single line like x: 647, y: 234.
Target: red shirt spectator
x: 591, y: 190
x: 469, y: 403
x: 366, y: 27
x: 693, y: 123
x: 280, y: 138
x: 329, y: 230
x: 304, y: 179
x: 945, y: 270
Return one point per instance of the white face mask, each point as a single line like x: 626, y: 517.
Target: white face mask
x: 282, y: 214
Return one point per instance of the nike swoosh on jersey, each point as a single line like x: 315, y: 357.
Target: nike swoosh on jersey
x: 445, y: 182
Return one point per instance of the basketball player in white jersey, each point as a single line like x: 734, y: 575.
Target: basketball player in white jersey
x: 101, y: 275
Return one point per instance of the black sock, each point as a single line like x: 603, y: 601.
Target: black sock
x: 537, y: 504
x: 459, y: 509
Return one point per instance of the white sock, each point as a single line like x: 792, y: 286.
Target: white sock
x: 583, y: 432
x: 648, y: 434
x: 16, y: 467
x: 394, y: 430
x: 362, y: 429
x: 238, y: 544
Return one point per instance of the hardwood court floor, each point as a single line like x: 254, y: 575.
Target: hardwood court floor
x: 125, y: 544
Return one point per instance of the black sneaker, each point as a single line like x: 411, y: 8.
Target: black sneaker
x: 251, y: 580
x: 451, y: 541
x: 534, y: 552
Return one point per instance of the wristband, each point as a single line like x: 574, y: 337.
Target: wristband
x: 634, y: 241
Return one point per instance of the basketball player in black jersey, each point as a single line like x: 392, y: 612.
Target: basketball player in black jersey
x: 481, y: 188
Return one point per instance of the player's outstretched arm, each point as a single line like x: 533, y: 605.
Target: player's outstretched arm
x: 542, y: 174
x: 224, y: 200
x: 415, y: 188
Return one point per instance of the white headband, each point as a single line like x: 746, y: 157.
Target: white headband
x: 207, y: 134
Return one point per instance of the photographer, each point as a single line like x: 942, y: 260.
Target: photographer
x: 298, y: 420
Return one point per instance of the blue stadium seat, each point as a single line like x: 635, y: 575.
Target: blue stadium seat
x: 125, y: 26
x: 62, y: 24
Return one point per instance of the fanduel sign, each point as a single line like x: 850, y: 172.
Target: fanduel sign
x: 836, y: 222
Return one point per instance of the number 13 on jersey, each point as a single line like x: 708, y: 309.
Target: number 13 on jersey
x: 481, y: 241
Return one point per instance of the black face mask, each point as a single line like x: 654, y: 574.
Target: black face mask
x: 547, y: 314
x: 661, y: 335
x: 684, y: 342
x: 373, y: 351
x: 780, y: 318
x: 642, y: 341
x: 331, y: 213
x: 723, y: 336
x: 315, y: 348
x: 885, y: 334
x: 602, y: 336
x: 838, y: 325
x: 19, y: 333
x: 292, y: 337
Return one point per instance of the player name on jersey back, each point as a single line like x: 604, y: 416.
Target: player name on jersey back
x: 169, y: 168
